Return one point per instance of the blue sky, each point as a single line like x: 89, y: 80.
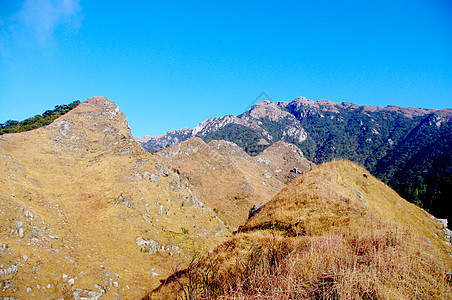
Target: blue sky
x: 173, y: 64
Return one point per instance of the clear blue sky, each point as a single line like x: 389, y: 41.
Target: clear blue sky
x: 173, y: 64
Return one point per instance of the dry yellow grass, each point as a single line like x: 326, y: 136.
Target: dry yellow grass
x: 227, y: 179
x: 335, y: 233
x: 80, y: 189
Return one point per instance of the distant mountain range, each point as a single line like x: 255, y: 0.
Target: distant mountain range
x: 408, y: 148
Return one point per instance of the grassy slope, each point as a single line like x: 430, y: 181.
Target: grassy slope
x: 229, y: 180
x: 69, y: 175
x: 335, y: 233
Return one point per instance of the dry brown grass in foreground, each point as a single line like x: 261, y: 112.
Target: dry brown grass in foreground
x: 336, y: 233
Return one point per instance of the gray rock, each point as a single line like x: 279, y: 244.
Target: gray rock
x: 448, y: 234
x: 35, y: 231
x: 162, y: 169
x: 80, y: 294
x: 9, y: 271
x: 175, y: 185
x: 150, y: 246
x: 254, y: 210
x: 19, y: 225
x: 28, y: 214
x: 442, y: 222
x: 154, y: 178
x: 21, y: 232
x: 125, y: 200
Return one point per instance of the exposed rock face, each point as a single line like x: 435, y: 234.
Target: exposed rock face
x: 74, y: 197
x: 153, y: 143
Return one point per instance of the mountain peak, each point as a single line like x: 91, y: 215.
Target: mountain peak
x: 96, y: 119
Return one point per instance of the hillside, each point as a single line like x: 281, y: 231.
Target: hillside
x: 85, y: 211
x: 390, y: 141
x: 227, y: 179
x: 336, y: 232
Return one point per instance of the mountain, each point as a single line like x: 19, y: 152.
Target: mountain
x: 86, y: 212
x: 420, y: 167
x: 336, y: 232
x: 230, y: 181
x: 171, y: 137
x: 380, y: 138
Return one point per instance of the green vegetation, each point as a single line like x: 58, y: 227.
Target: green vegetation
x: 420, y: 168
x: 352, y: 134
x: 246, y: 138
x: 37, y: 121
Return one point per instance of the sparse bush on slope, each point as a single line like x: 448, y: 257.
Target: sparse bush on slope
x: 335, y: 233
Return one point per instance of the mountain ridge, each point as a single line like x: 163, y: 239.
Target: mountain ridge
x: 326, y: 130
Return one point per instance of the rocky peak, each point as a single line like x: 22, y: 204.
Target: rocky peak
x: 103, y: 110
x: 214, y: 124
x: 95, y: 122
x: 266, y: 109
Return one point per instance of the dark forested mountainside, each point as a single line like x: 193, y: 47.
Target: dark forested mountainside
x: 420, y: 167
x: 351, y: 134
x: 12, y: 126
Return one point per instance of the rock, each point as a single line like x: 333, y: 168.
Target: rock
x: 296, y: 171
x: 175, y: 185
x: 19, y: 225
x: 21, y: 232
x: 162, y: 169
x: 254, y: 210
x: 442, y: 222
x: 154, y: 178
x: 28, y: 214
x: 448, y: 234
x: 71, y: 281
x: 150, y: 246
x: 28, y: 290
x: 80, y: 294
x: 35, y: 231
x: 125, y: 200
x: 9, y: 271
